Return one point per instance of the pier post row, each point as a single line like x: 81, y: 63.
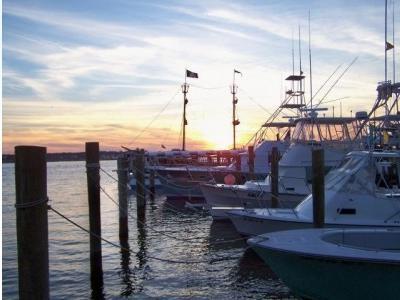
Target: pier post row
x: 140, y: 183
x: 93, y: 187
x: 122, y: 169
x: 274, y: 177
x: 32, y: 222
x: 318, y: 187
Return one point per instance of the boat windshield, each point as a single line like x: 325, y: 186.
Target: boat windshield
x: 348, y: 166
x: 325, y: 129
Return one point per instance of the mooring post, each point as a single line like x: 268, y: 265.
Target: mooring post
x: 152, y: 185
x: 140, y: 183
x: 238, y: 162
x: 122, y: 169
x: 274, y: 177
x: 32, y: 222
x: 250, y: 150
x: 93, y: 187
x: 318, y: 187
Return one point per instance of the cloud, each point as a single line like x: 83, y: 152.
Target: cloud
x: 87, y: 70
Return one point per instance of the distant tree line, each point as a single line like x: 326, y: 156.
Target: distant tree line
x: 69, y: 156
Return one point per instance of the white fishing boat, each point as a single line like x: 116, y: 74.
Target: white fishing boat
x: 185, y: 180
x: 363, y: 191
x: 334, y: 263
x: 336, y: 136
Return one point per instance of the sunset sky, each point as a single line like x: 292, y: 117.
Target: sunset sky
x: 78, y: 71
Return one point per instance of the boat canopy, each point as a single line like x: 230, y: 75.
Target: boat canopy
x: 328, y: 129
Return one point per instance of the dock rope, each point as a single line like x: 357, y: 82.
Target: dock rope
x: 219, y: 259
x: 197, y: 239
x: 32, y: 203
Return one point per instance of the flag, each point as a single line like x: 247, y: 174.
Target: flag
x: 191, y: 74
x: 389, y: 46
x: 236, y: 71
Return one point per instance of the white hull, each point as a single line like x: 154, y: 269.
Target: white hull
x: 222, y: 198
x: 249, y: 225
x: 220, y: 213
x: 231, y: 196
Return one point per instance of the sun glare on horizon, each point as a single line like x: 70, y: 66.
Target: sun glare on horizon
x: 216, y: 136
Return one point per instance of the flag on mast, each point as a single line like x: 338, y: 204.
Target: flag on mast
x: 236, y: 71
x: 191, y: 74
x: 389, y: 46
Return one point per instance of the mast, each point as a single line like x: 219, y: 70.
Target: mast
x: 185, y: 90
x: 235, y: 121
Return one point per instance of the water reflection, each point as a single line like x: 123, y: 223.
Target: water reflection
x: 223, y: 236
x: 126, y: 282
x: 132, y: 278
x: 141, y: 241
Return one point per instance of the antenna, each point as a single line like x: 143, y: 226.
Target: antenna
x: 292, y: 58
x: 385, y: 40
x: 301, y: 71
x: 309, y: 54
x: 300, y: 50
x: 292, y: 52
x: 394, y: 60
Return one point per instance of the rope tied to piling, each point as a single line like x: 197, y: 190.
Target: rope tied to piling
x: 93, y: 165
x: 32, y: 203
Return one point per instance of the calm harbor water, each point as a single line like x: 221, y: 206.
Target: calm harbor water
x: 227, y: 270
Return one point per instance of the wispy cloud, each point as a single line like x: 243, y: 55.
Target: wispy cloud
x: 57, y: 62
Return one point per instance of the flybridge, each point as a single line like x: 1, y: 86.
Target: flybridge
x: 326, y: 129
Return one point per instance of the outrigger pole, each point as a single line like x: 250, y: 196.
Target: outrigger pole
x: 235, y: 122
x: 185, y: 90
x: 309, y: 55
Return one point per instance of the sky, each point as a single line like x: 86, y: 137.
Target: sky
x: 111, y: 71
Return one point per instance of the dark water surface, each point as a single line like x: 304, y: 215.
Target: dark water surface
x: 227, y: 270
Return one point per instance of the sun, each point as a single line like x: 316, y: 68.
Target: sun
x: 216, y: 135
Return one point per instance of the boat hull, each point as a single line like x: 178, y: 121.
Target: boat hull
x: 225, y: 195
x: 332, y: 278
x: 249, y: 224
x: 184, y: 183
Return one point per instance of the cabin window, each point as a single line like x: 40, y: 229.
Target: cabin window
x: 346, y: 211
x: 387, y: 175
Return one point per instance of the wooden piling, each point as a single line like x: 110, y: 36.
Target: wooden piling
x: 93, y: 187
x: 238, y: 162
x: 140, y: 183
x: 32, y: 222
x: 274, y: 177
x: 251, y: 161
x: 152, y: 185
x: 122, y: 169
x: 318, y: 187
